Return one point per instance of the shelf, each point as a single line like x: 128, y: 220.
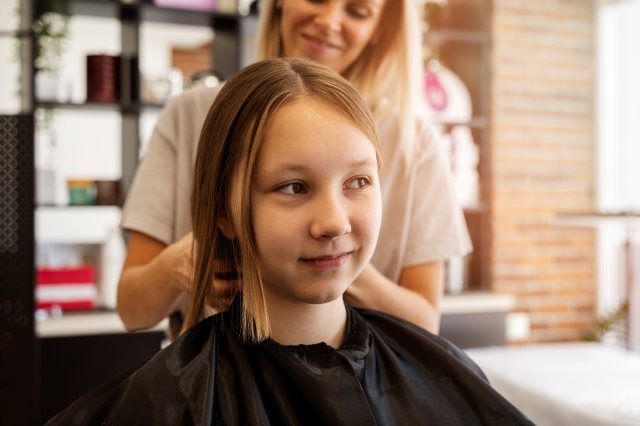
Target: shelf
x: 476, y: 303
x: 95, y: 8
x: 75, y: 224
x: 153, y: 13
x: 100, y: 106
x: 438, y: 36
x: 15, y: 34
x: 474, y: 123
x: 85, y: 324
x: 477, y: 209
x: 597, y: 218
x: 91, y: 106
x: 91, y: 323
x: 148, y: 12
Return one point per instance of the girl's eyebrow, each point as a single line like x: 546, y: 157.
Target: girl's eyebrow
x: 302, y: 167
x: 365, y: 162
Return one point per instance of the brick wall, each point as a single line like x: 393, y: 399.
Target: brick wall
x: 542, y: 161
x: 191, y: 61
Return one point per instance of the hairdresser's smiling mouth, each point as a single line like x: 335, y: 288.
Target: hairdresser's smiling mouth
x: 327, y: 263
x: 319, y: 44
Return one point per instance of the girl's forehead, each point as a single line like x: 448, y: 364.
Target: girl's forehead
x: 306, y: 134
x: 311, y: 107
x: 309, y: 119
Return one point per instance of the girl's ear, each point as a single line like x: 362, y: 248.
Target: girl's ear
x: 227, y: 228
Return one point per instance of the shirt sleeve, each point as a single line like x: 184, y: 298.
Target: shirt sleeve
x: 150, y: 205
x: 438, y: 228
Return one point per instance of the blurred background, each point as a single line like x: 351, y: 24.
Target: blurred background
x: 538, y: 104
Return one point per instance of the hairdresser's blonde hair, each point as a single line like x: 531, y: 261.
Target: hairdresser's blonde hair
x: 230, y: 140
x: 388, y: 73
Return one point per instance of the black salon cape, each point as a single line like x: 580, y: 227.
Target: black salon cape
x: 387, y: 372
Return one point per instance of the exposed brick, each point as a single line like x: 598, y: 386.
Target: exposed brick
x: 542, y: 162
x: 191, y: 61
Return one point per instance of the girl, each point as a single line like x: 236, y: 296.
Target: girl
x: 376, y: 45
x: 287, y: 194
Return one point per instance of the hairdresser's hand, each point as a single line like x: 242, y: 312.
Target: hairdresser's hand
x: 222, y: 290
x: 182, y: 254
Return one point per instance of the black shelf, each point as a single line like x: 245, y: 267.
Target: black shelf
x: 153, y: 13
x: 146, y: 10
x: 90, y: 106
x: 15, y: 34
x: 94, y: 8
x: 123, y: 107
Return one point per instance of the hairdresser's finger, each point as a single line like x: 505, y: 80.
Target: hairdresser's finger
x: 221, y: 293
x: 225, y: 288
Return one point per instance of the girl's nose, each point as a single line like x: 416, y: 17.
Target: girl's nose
x: 330, y: 218
x: 329, y: 16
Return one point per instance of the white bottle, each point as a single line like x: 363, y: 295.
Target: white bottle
x: 112, y: 255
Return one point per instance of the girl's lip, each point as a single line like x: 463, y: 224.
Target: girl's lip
x: 328, y: 262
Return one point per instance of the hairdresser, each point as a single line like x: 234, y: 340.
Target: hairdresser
x: 376, y: 45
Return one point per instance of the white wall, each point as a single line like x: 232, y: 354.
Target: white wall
x: 619, y: 106
x: 88, y: 143
x: 10, y: 70
x: 618, y: 153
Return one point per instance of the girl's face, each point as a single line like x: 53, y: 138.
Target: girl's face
x: 332, y: 33
x: 316, y: 204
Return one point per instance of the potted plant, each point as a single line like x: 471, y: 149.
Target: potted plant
x: 51, y: 33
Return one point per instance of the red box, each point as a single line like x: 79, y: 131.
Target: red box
x: 69, y: 288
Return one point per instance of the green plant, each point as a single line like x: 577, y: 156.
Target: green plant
x: 51, y: 31
x: 51, y: 35
x: 607, y: 323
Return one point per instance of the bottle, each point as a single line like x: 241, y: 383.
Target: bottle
x: 112, y: 255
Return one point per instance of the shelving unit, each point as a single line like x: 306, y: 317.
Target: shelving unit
x: 75, y: 224
x: 77, y: 343
x: 234, y: 35
x: 476, y: 319
x: 84, y: 324
x: 459, y: 33
x: 18, y: 374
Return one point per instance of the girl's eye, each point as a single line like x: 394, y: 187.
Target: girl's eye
x: 292, y: 188
x: 358, y: 183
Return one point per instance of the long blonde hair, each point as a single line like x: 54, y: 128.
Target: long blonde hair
x: 230, y: 141
x: 388, y: 73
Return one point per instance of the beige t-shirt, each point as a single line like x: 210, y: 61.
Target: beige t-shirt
x: 421, y: 221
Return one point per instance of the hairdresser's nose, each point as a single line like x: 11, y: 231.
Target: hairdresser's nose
x: 329, y: 16
x: 330, y: 217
